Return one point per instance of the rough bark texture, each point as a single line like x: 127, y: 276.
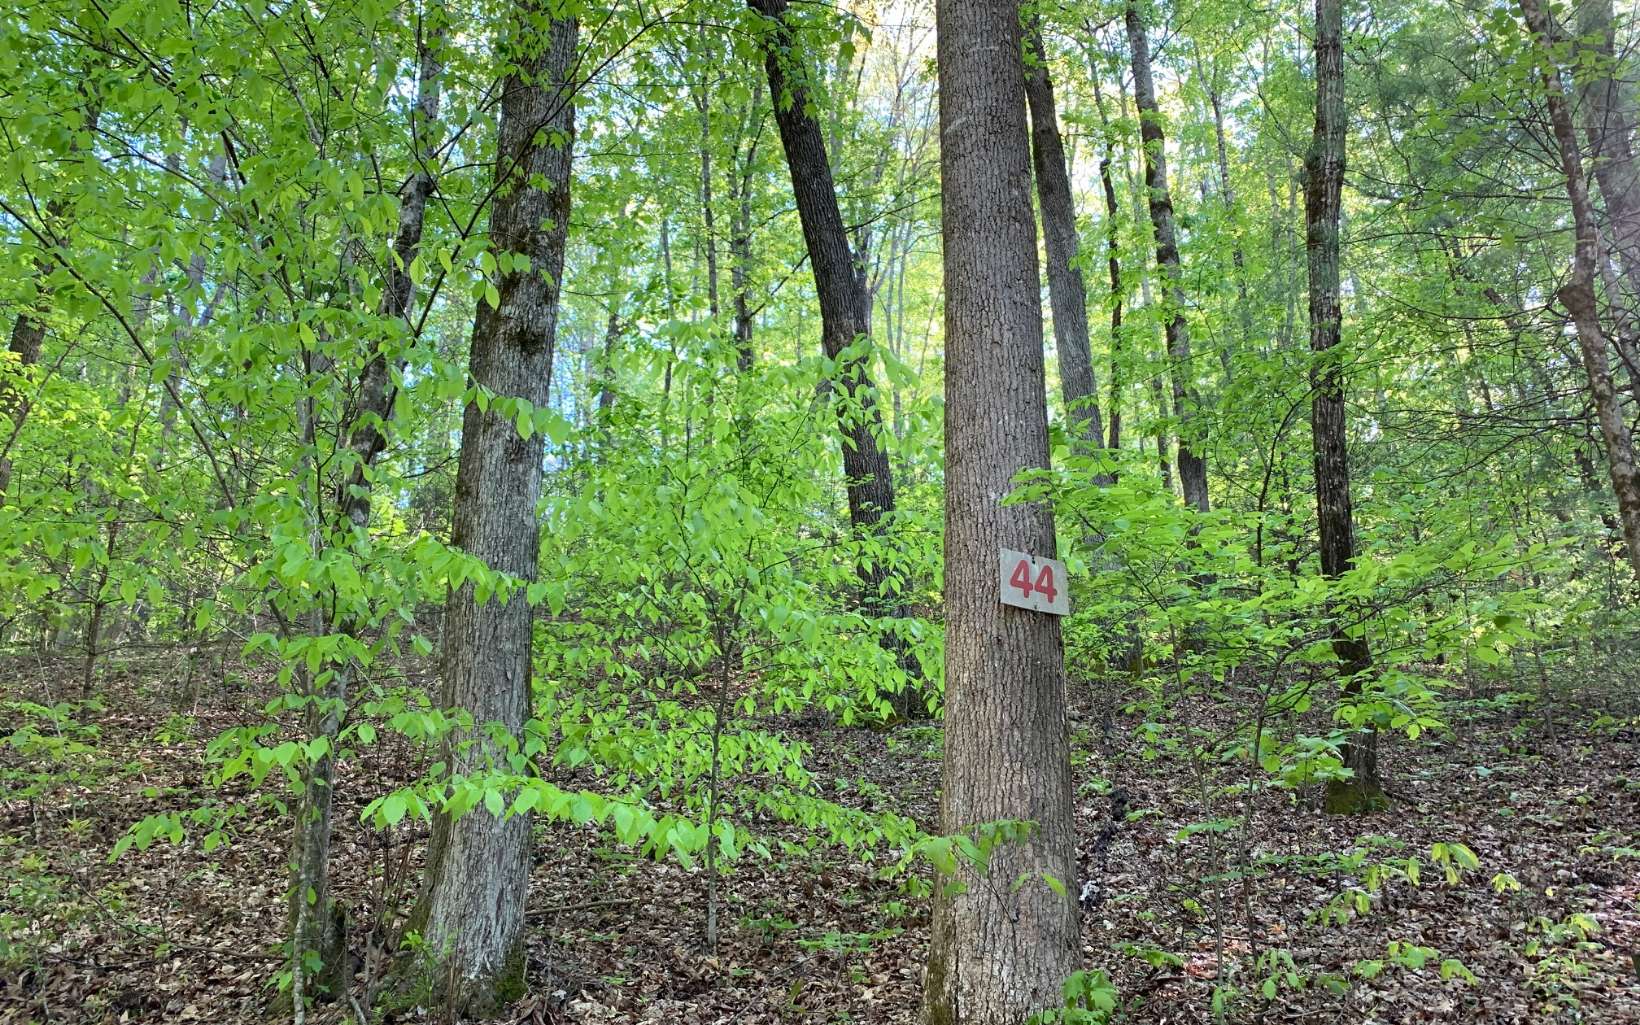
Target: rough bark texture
x: 317, y: 925
x: 1067, y: 293
x: 1000, y: 949
x: 1579, y: 294
x: 1610, y: 126
x: 844, y: 309
x: 1323, y: 195
x: 472, y: 912
x: 28, y: 333
x: 1113, y: 263
x: 1192, y: 467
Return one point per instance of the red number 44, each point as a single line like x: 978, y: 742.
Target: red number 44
x: 1043, y: 584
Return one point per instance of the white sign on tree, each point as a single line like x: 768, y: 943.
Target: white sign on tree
x: 1033, y: 582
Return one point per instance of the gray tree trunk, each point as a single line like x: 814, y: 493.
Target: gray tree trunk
x: 1186, y: 402
x: 316, y: 924
x: 1067, y: 293
x: 1579, y: 294
x: 1238, y: 259
x: 472, y: 910
x: 740, y: 242
x: 1609, y: 122
x: 1001, y: 949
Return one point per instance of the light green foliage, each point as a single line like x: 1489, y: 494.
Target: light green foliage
x: 200, y: 206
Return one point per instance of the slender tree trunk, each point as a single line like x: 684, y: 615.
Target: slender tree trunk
x: 1113, y: 264
x: 1323, y: 196
x: 1067, y: 293
x: 1186, y: 403
x: 28, y: 332
x: 1610, y: 125
x: 740, y: 242
x: 1238, y: 259
x: 1001, y: 949
x: 472, y: 909
x: 316, y: 924
x: 1579, y: 295
x: 1609, y: 122
x: 1164, y: 462
x: 703, y: 105
x: 606, y: 366
x: 844, y: 319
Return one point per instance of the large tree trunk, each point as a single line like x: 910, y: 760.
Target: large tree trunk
x: 315, y: 923
x: 472, y: 911
x: 1001, y: 948
x: 1323, y: 196
x: 28, y: 332
x: 1186, y: 402
x: 844, y: 317
x: 1579, y: 294
x: 1067, y: 293
x: 1610, y: 125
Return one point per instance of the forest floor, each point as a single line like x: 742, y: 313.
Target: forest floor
x: 178, y: 934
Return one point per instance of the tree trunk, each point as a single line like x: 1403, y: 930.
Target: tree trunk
x: 28, y: 333
x: 1579, y: 296
x: 1186, y: 403
x: 1067, y: 293
x: 1113, y: 262
x: 740, y: 241
x: 1610, y: 125
x: 703, y: 105
x: 472, y: 908
x: 844, y: 319
x: 1001, y: 949
x: 1323, y: 197
x: 316, y: 924
x: 1238, y: 259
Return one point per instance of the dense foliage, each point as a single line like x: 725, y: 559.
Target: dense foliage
x: 234, y: 400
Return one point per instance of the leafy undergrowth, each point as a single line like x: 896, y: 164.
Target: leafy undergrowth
x: 1380, y: 919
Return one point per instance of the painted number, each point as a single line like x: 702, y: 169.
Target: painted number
x: 1043, y: 584
x: 1033, y: 582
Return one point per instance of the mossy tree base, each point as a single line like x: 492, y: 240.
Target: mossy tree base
x: 435, y: 984
x: 1355, y: 797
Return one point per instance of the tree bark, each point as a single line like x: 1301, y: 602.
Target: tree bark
x: 1238, y: 259
x: 1610, y: 126
x: 472, y: 909
x: 1579, y: 295
x: 740, y: 241
x: 844, y: 319
x: 1186, y: 402
x: 1067, y: 293
x: 1323, y: 202
x: 1000, y: 949
x: 316, y: 924
x: 1113, y: 264
x: 28, y: 332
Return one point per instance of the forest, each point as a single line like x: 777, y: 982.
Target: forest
x: 956, y: 512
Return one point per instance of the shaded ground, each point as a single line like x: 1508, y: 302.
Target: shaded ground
x: 176, y: 933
